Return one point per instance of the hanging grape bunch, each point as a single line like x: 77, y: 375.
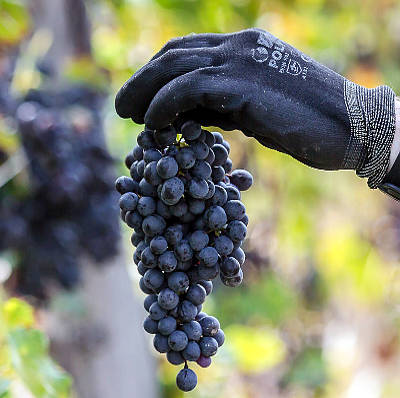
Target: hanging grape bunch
x: 183, y: 202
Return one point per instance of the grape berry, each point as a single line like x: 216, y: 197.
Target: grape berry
x: 183, y: 202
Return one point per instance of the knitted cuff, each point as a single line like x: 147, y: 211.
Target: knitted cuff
x: 373, y: 122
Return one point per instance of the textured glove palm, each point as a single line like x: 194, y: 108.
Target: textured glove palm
x: 254, y: 82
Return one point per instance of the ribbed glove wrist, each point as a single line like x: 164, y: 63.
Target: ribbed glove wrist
x: 373, y: 123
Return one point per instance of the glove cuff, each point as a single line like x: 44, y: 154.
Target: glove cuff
x: 373, y: 122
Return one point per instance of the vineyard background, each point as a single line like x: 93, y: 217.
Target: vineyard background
x: 317, y: 314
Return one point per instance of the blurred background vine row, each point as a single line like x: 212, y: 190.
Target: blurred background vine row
x: 318, y: 314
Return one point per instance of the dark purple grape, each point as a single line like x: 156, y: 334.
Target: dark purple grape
x: 167, y: 261
x: 185, y: 158
x: 209, y: 138
x: 156, y: 312
x: 174, y: 234
x: 150, y: 325
x: 150, y: 174
x: 208, y: 346
x: 137, y: 153
x: 160, y: 343
x: 178, y: 282
x: 172, y: 191
x: 216, y: 217
x: 203, y: 361
x: 167, y: 167
x: 187, y: 311
x: 190, y: 130
x: 200, y: 150
x: 208, y: 256
x: 146, y: 206
x: 149, y: 300
x: 233, y: 281
x: 167, y: 325
x: 228, y: 165
x: 183, y: 251
x: 175, y: 358
x: 165, y: 137
x: 179, y: 209
x: 146, y: 139
x: 221, y: 155
x: 153, y: 279
x: 158, y: 245
x: 167, y: 299
x: 192, y: 351
x: 133, y: 219
x: 153, y: 225
x: 128, y: 201
x: 201, y: 169
x: 146, y: 189
x: 152, y: 155
x: 232, y: 192
x: 208, y: 273
x: 219, y: 138
x: 242, y: 179
x: 196, y: 206
x: 236, y: 230
x: 226, y: 145
x: 234, y: 210
x: 223, y: 245
x: 141, y: 268
x: 178, y: 340
x: 193, y: 330
x: 198, y: 188
x: 208, y: 286
x: 125, y: 184
x: 196, y: 294
x: 198, y: 240
x: 209, y: 326
x: 220, y: 337
x: 239, y: 255
x: 229, y: 267
x: 220, y: 196
x: 186, y: 380
x: 210, y: 157
x: 218, y: 174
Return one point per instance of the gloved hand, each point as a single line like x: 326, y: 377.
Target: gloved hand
x: 256, y: 83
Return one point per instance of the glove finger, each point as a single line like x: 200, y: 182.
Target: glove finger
x: 208, y: 118
x: 134, y: 97
x: 201, y: 88
x: 268, y: 142
x: 202, y: 40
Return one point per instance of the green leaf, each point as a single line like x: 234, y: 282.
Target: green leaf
x: 29, y: 356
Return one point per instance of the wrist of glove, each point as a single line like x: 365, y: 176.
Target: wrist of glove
x: 256, y: 83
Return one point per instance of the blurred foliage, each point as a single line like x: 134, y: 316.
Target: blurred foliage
x: 318, y: 315
x: 24, y: 355
x: 14, y: 21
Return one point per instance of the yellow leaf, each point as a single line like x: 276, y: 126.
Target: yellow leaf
x: 17, y: 313
x: 255, y: 349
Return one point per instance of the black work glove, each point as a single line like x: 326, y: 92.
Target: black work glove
x: 256, y: 83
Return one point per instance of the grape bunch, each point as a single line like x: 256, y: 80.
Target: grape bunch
x: 68, y: 210
x: 183, y: 203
